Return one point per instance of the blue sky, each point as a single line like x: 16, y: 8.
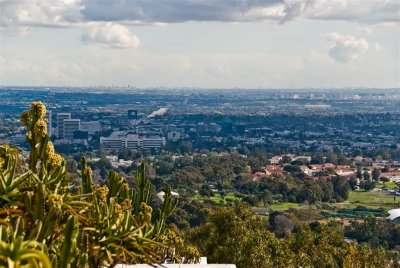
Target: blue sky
x: 200, y: 43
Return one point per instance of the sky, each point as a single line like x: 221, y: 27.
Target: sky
x: 200, y: 43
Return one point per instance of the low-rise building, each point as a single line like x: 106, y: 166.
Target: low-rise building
x: 129, y: 141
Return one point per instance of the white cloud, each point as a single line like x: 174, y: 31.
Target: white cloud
x: 110, y: 35
x: 45, y: 13
x: 347, y: 48
x: 365, y: 29
x: 377, y: 46
x: 61, y: 13
x: 366, y: 11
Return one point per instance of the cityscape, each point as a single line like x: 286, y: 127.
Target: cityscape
x: 200, y: 134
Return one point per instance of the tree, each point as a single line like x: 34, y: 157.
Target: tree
x: 331, y: 157
x: 266, y: 197
x: 376, y: 173
x: 310, y: 192
x: 237, y: 235
x: 366, y: 176
x: 231, y: 235
x: 384, y: 179
x: 164, y: 167
x: 340, y: 187
x: 252, y: 200
x: 281, y: 224
x: 186, y: 147
x: 205, y: 190
x: 359, y: 173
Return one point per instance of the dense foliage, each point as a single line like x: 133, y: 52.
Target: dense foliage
x: 238, y: 235
x: 375, y: 232
x: 47, y: 218
x: 228, y: 173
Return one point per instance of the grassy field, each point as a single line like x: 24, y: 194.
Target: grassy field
x: 371, y: 200
x: 278, y: 207
x: 217, y: 198
x: 388, y: 185
x: 285, y: 206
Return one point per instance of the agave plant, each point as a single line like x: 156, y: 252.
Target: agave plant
x: 48, y: 219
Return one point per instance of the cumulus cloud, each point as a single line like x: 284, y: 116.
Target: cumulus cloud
x: 375, y: 11
x: 56, y: 13
x: 348, y: 48
x: 177, y: 10
x: 45, y: 13
x: 110, y: 35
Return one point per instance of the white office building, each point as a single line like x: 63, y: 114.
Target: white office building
x: 112, y: 144
x: 60, y: 123
x: 131, y: 141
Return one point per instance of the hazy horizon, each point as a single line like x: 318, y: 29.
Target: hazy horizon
x: 161, y: 88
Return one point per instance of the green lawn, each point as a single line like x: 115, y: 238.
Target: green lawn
x: 278, y: 207
x: 388, y: 185
x: 285, y: 206
x: 217, y: 198
x: 371, y: 200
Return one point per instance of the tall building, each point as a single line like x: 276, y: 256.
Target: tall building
x: 60, y: 123
x: 70, y: 125
x: 49, y: 123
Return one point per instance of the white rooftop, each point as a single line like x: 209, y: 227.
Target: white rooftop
x: 394, y: 213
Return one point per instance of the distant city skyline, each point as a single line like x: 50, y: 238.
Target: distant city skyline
x: 202, y: 44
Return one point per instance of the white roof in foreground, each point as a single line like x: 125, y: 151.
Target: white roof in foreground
x: 394, y: 213
x: 177, y: 266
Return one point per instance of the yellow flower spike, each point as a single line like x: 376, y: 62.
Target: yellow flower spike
x: 117, y: 208
x: 41, y: 128
x: 102, y: 192
x: 38, y: 109
x: 125, y: 186
x: 55, y: 200
x: 87, y: 171
x: 146, y: 212
x: 26, y: 119
x: 28, y: 137
x: 50, y: 148
x: 126, y: 204
x: 55, y: 159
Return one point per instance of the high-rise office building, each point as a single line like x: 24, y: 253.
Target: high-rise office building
x: 60, y: 123
x: 70, y: 125
x: 49, y: 123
